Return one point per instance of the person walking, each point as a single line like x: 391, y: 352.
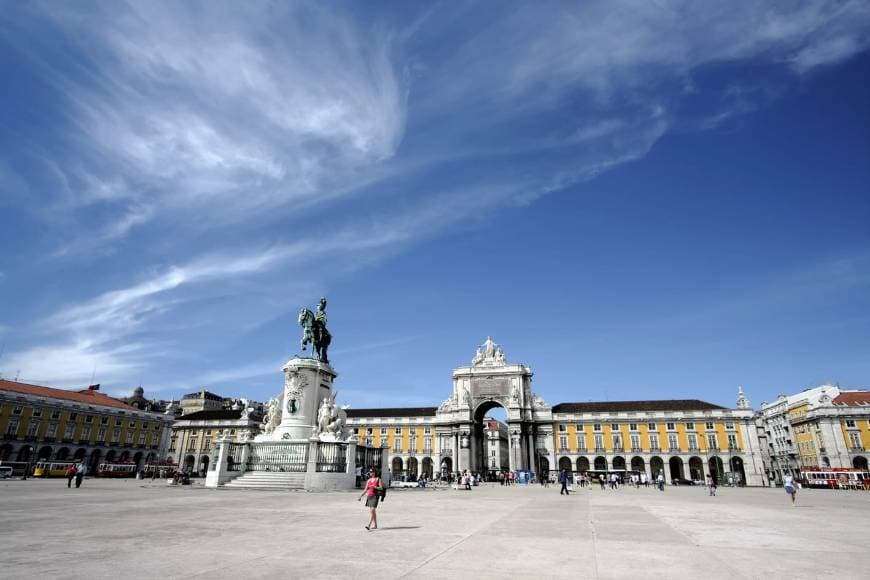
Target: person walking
x: 563, y: 479
x: 80, y: 474
x: 603, y: 481
x: 70, y: 475
x: 790, y: 487
x: 372, y: 492
x: 661, y: 481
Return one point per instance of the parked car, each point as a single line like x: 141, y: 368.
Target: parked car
x: 682, y: 481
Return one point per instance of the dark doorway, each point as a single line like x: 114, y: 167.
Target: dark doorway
x: 656, y: 466
x: 676, y: 465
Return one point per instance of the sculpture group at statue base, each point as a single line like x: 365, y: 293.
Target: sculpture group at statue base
x: 304, y: 432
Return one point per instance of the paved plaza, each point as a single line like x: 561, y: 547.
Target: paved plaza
x: 132, y: 529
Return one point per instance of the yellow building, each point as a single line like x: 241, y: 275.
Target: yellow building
x: 195, y: 434
x: 44, y: 423
x: 680, y: 439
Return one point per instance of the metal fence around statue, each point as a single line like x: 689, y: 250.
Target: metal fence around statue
x: 332, y: 457
x: 234, y: 456
x: 278, y: 457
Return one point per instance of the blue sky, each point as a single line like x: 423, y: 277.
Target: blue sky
x: 638, y: 199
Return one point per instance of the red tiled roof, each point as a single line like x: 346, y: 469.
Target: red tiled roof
x: 86, y: 396
x: 853, y: 398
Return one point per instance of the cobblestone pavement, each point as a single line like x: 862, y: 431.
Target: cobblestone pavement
x: 131, y: 529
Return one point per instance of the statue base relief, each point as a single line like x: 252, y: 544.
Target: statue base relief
x: 307, y: 382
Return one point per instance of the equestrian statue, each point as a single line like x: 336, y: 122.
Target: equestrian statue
x: 314, y: 331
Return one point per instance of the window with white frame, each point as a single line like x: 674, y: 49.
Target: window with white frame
x: 729, y: 425
x: 712, y: 441
x: 68, y: 430
x: 614, y: 426
x: 850, y: 423
x: 690, y: 426
x: 732, y: 441
x: 383, y: 431
x: 708, y: 426
x: 563, y: 442
x: 617, y: 442
x: 31, y: 428
x: 855, y: 440
x: 653, y: 441
x: 599, y: 443
x: 101, y: 434
x: 671, y: 427
x: 673, y: 442
x: 596, y: 426
x: 12, y: 427
x: 693, y: 442
x: 581, y: 442
x: 398, y: 431
x: 86, y: 432
x: 635, y: 442
x: 563, y: 428
x: 651, y: 426
x: 632, y: 426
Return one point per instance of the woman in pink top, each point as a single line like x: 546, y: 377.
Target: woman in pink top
x: 371, y: 492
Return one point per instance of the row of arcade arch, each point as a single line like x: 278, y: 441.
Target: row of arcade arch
x: 676, y: 467
x: 414, y: 468
x: 29, y: 453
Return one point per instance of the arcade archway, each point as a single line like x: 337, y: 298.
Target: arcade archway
x: 427, y: 467
x: 715, y: 467
x: 656, y: 466
x: 676, y: 465
x: 860, y: 462
x: 582, y: 464
x: 696, y: 468
x: 397, y: 467
x: 736, y: 465
x: 637, y: 464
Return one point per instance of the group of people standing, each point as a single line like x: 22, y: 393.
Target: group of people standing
x: 76, y: 472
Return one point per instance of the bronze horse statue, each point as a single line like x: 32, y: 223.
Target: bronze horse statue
x: 314, y: 332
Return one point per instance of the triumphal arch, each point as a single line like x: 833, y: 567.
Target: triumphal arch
x: 491, y: 381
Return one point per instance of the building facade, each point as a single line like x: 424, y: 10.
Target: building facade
x: 195, y: 434
x: 42, y: 423
x: 823, y: 426
x: 681, y: 439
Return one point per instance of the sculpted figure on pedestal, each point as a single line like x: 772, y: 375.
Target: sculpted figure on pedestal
x: 331, y: 420
x: 272, y: 417
x: 314, y: 331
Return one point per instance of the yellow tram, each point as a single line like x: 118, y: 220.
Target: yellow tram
x: 52, y: 468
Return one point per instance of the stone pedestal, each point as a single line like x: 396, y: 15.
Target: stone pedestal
x: 306, y: 383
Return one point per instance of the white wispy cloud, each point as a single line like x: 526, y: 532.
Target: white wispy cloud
x: 200, y: 127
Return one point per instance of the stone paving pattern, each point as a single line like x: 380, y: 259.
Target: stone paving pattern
x: 132, y: 529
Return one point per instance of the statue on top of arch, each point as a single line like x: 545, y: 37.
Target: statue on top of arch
x: 489, y: 354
